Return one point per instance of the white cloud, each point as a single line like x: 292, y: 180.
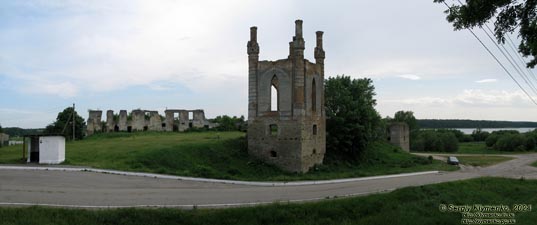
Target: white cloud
x: 410, y: 76
x: 62, y: 89
x: 486, y: 81
x: 472, y: 98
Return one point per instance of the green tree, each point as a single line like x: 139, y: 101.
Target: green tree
x: 352, y: 121
x: 227, y: 123
x: 1, y: 129
x: 408, y: 118
x: 508, y: 15
x: 64, y: 124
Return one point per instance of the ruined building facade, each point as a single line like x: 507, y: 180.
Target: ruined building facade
x: 286, y: 116
x: 399, y: 135
x: 146, y: 120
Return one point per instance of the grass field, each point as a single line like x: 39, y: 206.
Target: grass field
x: 411, y: 205
x: 482, y: 160
x: 216, y: 155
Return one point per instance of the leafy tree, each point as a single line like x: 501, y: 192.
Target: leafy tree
x: 227, y: 123
x: 1, y: 129
x: 352, y: 121
x: 437, y: 141
x: 408, y: 118
x: 64, y: 124
x: 509, y: 15
x: 480, y: 135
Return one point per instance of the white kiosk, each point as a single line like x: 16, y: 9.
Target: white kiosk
x: 45, y: 149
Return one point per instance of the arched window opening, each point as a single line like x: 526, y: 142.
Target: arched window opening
x: 274, y: 94
x: 313, y: 96
x: 315, y: 129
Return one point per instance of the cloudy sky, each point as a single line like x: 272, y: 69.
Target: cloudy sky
x: 192, y: 54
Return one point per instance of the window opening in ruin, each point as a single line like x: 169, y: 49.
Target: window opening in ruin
x: 274, y: 94
x: 145, y: 128
x: 163, y: 125
x: 129, y: 129
x: 175, y: 122
x: 314, y: 151
x: 147, y: 115
x: 273, y: 129
x: 314, y: 129
x: 313, y: 96
x: 116, y: 128
x: 190, y: 116
x: 190, y: 125
x: 273, y: 154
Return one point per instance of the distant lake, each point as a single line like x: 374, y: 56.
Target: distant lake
x: 470, y: 130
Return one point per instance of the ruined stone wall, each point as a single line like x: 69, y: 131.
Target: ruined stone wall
x: 94, y: 122
x: 292, y: 136
x: 4, y: 139
x: 122, y: 124
x: 155, y: 122
x: 145, y: 120
x: 399, y: 135
x: 110, y: 121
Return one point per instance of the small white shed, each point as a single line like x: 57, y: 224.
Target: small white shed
x: 46, y: 149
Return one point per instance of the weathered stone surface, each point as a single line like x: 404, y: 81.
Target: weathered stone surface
x: 400, y: 135
x: 122, y: 124
x: 94, y: 122
x: 293, y: 136
x: 4, y: 139
x: 155, y: 123
x: 146, y: 120
x: 110, y: 120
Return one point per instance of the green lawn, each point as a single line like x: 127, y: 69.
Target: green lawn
x: 482, y: 160
x: 217, y: 155
x: 411, y: 205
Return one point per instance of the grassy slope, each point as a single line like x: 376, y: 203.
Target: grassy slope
x: 412, y: 205
x: 480, y: 160
x: 216, y: 155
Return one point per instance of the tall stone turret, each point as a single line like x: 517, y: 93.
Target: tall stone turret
x: 286, y: 120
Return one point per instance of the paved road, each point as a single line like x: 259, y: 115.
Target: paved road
x: 88, y: 189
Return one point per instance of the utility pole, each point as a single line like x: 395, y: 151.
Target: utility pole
x: 74, y: 121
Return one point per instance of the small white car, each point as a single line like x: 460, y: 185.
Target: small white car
x: 452, y: 160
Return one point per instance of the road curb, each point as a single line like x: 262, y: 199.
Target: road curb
x: 209, y: 180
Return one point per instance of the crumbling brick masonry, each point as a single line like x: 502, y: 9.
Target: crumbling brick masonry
x: 287, y: 130
x: 146, y: 120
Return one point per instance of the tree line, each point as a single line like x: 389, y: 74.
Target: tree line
x: 454, y: 123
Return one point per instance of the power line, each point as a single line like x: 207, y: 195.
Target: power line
x: 513, y: 63
x: 498, y: 61
x: 512, y: 45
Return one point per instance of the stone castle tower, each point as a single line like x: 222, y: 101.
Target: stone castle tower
x: 286, y: 117
x: 399, y: 135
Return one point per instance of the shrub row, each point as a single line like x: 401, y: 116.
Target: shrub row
x: 435, y: 141
x: 512, y: 141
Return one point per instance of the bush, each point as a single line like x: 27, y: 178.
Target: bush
x: 492, y: 139
x: 431, y: 140
x: 479, y: 135
x: 511, y: 142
